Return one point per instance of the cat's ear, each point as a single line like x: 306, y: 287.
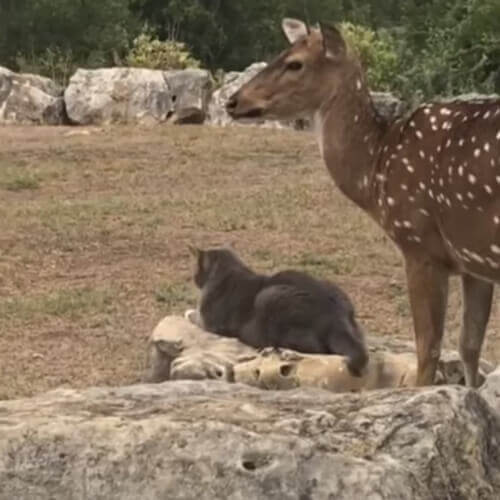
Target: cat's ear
x: 194, y: 251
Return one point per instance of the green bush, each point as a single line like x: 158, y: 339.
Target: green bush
x: 148, y: 52
x: 377, y: 53
x: 54, y: 63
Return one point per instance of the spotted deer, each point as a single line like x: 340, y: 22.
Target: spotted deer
x: 430, y: 179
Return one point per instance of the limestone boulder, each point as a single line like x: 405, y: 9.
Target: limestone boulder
x: 30, y: 99
x: 137, y: 95
x: 179, y: 349
x: 210, y: 439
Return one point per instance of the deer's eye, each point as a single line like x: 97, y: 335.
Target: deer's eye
x: 294, y: 66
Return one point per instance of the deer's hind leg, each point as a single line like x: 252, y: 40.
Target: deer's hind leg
x: 428, y: 293
x: 477, y: 298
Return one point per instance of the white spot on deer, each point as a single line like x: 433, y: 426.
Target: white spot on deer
x: 487, y: 115
x: 365, y: 181
x: 498, y: 136
x: 390, y: 201
x: 407, y: 224
x: 472, y: 178
x: 441, y: 182
x: 445, y: 111
x: 488, y: 189
x: 380, y: 202
x: 492, y: 263
x: 477, y: 258
x: 434, y: 127
x: 432, y: 119
x: 381, y: 177
x: 431, y: 194
x: 423, y: 211
x: 461, y: 142
x: 459, y: 197
x: 397, y: 223
x: 421, y: 154
x: 446, y: 125
x: 495, y: 249
x: 448, y: 202
x: 366, y: 138
x: 460, y: 170
x: 421, y: 185
x: 399, y: 147
x: 450, y: 170
x: 386, y: 147
x: 473, y: 139
x: 496, y: 219
x: 411, y: 198
x: 477, y: 152
x: 486, y: 146
x: 358, y: 84
x: 492, y: 162
x: 438, y: 149
x: 470, y: 195
x: 431, y: 158
x: 427, y: 110
x: 419, y: 134
x: 410, y: 169
x: 387, y: 163
x: 476, y: 114
x: 448, y: 143
x: 412, y: 123
x: 404, y: 187
x: 356, y: 118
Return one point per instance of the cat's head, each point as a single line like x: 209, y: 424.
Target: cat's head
x: 212, y: 262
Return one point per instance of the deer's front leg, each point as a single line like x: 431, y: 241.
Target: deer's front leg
x: 428, y: 292
x: 477, y: 297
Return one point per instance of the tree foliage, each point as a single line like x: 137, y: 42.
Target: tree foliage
x: 412, y: 47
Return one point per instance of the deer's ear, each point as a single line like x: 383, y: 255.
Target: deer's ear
x: 293, y: 29
x: 333, y: 42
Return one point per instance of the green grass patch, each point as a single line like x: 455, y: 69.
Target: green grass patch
x: 71, y: 303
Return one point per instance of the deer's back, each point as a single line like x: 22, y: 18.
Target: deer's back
x: 437, y: 188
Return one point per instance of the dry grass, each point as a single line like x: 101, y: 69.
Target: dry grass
x: 94, y: 232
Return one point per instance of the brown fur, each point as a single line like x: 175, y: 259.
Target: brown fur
x: 430, y: 179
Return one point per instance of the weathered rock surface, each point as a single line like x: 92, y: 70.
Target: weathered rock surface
x: 136, y: 95
x: 30, y: 99
x: 205, y: 440
x: 178, y: 349
x: 387, y: 104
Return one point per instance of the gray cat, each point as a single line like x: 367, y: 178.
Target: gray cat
x: 289, y: 309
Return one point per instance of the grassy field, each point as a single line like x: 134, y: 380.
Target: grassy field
x: 94, y: 232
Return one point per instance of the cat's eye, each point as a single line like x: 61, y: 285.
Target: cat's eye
x: 294, y: 66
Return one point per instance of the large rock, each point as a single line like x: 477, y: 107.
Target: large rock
x: 205, y: 440
x: 137, y: 95
x: 30, y: 99
x: 179, y: 349
x: 387, y: 104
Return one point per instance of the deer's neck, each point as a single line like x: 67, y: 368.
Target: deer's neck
x: 349, y: 133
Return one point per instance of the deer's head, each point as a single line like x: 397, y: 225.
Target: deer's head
x: 313, y: 69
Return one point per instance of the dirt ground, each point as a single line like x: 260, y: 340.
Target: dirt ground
x: 94, y: 232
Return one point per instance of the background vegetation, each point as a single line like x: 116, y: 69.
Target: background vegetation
x: 412, y: 47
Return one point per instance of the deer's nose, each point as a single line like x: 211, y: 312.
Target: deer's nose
x: 231, y: 103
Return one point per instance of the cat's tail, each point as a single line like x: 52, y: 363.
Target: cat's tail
x: 353, y: 347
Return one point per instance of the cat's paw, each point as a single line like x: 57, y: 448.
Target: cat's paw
x: 192, y: 316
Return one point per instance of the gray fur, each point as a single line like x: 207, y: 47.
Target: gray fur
x: 289, y: 309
